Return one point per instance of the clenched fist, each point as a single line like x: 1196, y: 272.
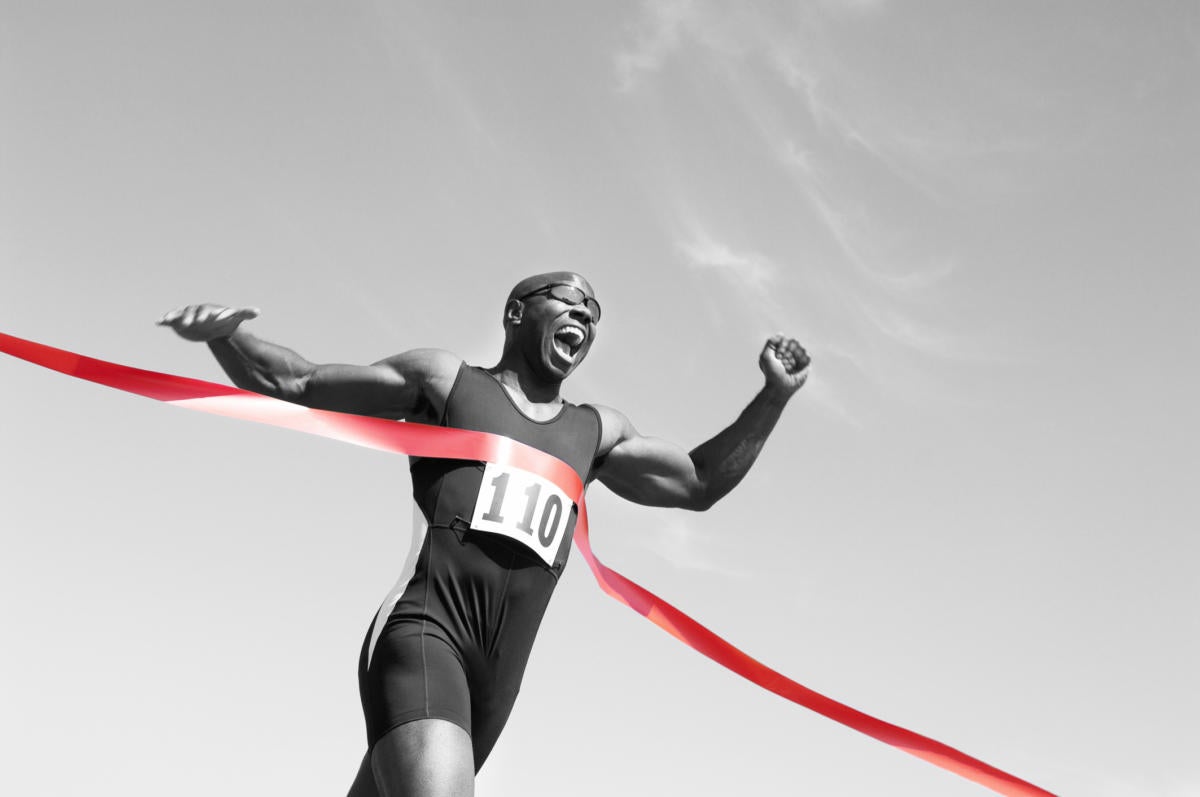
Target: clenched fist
x: 784, y: 363
x: 205, y: 322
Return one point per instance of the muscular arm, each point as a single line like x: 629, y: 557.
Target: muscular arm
x: 409, y: 385
x: 655, y: 472
x: 390, y: 388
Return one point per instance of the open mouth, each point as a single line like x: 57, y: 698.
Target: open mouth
x: 568, y: 341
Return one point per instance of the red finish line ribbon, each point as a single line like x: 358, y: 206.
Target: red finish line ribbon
x: 446, y: 443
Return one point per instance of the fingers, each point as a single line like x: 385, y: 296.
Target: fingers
x: 206, y: 314
x: 202, y: 322
x: 171, y: 317
x: 789, y: 352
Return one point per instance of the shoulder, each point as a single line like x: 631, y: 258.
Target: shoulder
x: 431, y: 372
x: 614, y: 428
x: 423, y: 365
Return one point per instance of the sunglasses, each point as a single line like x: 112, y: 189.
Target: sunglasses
x: 569, y: 294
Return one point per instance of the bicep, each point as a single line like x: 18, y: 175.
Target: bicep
x: 360, y: 389
x: 400, y: 386
x: 649, y: 470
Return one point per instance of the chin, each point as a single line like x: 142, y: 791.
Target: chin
x: 557, y: 372
x: 553, y: 366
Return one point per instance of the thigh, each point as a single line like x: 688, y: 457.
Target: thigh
x: 413, y: 675
x: 364, y: 781
x: 490, y: 708
x: 424, y: 758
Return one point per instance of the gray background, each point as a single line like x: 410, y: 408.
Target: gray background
x: 977, y: 521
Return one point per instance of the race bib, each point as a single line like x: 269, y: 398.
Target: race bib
x: 523, y: 506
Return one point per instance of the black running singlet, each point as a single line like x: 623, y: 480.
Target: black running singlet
x: 455, y: 644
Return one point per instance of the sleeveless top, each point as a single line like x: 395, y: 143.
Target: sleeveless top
x: 447, y: 490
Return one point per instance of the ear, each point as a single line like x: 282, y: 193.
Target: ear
x: 514, y: 311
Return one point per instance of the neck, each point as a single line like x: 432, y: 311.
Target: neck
x: 520, y: 380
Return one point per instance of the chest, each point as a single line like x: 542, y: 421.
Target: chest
x: 570, y: 433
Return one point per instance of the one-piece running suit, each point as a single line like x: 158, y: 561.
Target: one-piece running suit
x: 455, y: 644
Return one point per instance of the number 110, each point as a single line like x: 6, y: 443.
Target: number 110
x: 551, y: 511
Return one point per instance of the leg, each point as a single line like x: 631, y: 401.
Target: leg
x: 424, y: 758
x: 488, y: 716
x: 364, y: 781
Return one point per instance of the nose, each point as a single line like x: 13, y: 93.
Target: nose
x: 582, y: 313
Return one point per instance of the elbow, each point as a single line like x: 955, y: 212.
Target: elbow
x: 291, y: 384
x: 290, y: 390
x: 695, y: 492
x: 700, y: 499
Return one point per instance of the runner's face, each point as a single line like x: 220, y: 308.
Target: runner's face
x: 562, y: 333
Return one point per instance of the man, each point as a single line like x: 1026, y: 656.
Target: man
x: 441, y: 668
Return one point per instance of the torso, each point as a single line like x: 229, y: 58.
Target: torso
x: 452, y: 642
x: 450, y: 491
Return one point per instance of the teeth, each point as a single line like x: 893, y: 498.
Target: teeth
x: 568, y: 340
x: 573, y: 335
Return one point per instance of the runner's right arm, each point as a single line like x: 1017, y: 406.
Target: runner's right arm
x: 412, y: 385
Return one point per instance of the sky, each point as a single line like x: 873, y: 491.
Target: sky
x: 978, y: 520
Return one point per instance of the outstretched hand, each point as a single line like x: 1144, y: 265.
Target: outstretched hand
x: 205, y: 322
x: 784, y: 363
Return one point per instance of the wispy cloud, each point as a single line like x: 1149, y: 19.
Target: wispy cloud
x: 866, y: 172
x: 749, y: 270
x: 658, y: 35
x: 873, y: 326
x: 751, y: 275
x: 879, y: 137
x: 851, y: 228
x: 806, y: 81
x: 905, y: 330
x: 725, y: 32
x: 756, y: 279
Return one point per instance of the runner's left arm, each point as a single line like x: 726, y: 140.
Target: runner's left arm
x: 656, y: 472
